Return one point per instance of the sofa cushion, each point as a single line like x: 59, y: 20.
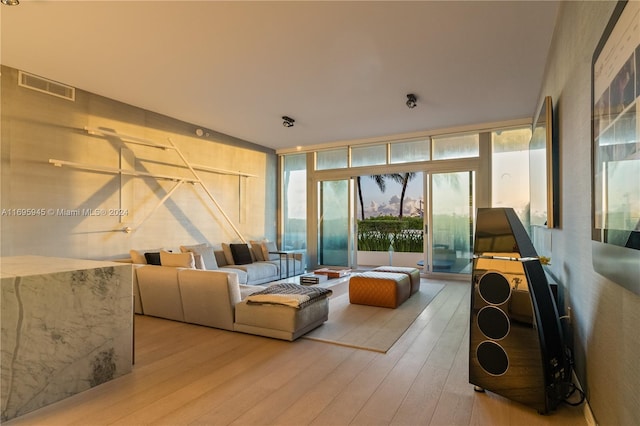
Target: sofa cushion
x: 209, y: 297
x: 206, y: 252
x: 241, y: 254
x: 242, y: 275
x: 180, y: 260
x: 256, y: 247
x: 228, y: 256
x: 259, y: 271
x: 197, y: 258
x: 221, y: 260
x: 159, y: 292
x: 268, y: 246
x: 152, y: 258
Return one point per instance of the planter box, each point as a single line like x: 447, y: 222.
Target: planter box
x: 380, y: 258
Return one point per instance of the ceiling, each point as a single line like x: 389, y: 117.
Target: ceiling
x: 342, y: 70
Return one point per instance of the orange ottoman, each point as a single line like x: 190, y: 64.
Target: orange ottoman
x: 384, y: 289
x: 414, y: 274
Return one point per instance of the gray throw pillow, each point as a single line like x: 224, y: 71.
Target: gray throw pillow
x: 206, y: 252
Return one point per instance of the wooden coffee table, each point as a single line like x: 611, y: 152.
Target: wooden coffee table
x: 332, y: 273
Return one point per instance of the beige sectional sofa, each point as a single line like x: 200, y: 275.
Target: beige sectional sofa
x: 259, y: 266
x: 255, y: 273
x: 262, y: 266
x: 190, y: 295
x: 216, y: 299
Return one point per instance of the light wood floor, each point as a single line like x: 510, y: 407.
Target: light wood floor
x: 186, y: 374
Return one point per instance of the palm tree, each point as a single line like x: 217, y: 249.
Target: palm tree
x: 360, y: 197
x: 403, y: 179
x: 382, y: 185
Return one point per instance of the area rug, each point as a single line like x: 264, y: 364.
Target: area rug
x: 369, y: 327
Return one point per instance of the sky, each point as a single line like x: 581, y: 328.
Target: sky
x: 377, y: 203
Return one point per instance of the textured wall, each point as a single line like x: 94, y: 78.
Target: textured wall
x: 37, y: 127
x: 605, y: 315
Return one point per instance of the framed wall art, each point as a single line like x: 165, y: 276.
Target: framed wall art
x: 616, y: 148
x: 544, y: 192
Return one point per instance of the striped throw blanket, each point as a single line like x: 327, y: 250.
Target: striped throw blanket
x: 294, y: 295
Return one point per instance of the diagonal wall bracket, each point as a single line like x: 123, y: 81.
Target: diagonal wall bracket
x: 179, y: 180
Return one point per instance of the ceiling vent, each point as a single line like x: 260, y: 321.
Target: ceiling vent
x: 43, y: 85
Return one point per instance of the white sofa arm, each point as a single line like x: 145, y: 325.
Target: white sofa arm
x: 209, y: 297
x: 159, y: 292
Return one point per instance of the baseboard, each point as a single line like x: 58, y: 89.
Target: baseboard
x: 588, y: 414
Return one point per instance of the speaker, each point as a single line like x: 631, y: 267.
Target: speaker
x: 516, y: 347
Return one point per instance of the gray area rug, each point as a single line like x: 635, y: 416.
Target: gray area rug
x: 369, y: 327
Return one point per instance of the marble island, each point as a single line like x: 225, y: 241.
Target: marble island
x: 67, y: 326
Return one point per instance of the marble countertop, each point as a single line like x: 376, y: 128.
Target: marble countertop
x: 36, y: 265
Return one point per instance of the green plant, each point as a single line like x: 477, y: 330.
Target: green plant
x: 373, y: 241
x: 378, y: 233
x: 408, y: 241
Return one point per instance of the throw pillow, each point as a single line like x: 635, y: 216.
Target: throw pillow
x: 227, y: 254
x: 138, y: 256
x: 180, y: 260
x: 256, y: 247
x: 152, y: 258
x: 268, y: 246
x: 197, y: 259
x: 206, y: 252
x: 241, y: 254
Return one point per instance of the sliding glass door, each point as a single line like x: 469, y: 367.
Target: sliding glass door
x: 294, y: 202
x: 450, y: 226
x: 335, y: 223
x: 390, y: 213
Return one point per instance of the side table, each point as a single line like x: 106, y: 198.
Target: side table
x: 286, y: 254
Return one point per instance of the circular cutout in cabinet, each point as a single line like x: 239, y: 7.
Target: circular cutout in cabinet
x: 492, y: 358
x: 494, y: 288
x: 493, y: 322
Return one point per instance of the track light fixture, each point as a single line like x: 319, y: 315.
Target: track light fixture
x: 10, y: 2
x: 412, y: 101
x: 288, y: 121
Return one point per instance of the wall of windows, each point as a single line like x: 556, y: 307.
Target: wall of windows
x: 406, y: 152
x: 496, y: 161
x: 458, y: 146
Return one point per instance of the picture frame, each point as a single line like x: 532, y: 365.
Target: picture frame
x: 544, y: 192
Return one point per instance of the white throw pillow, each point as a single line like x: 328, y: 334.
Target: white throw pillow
x: 180, y: 260
x: 206, y: 252
x: 268, y: 246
